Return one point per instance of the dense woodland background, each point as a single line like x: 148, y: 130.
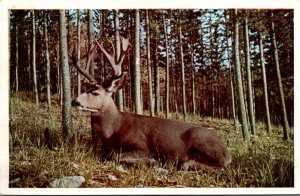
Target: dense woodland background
x: 187, y: 58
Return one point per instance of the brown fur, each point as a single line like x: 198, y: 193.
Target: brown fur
x: 142, y: 137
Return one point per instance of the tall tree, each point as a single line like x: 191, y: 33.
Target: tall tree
x: 149, y: 64
x: 265, y: 87
x: 118, y: 53
x: 34, y: 59
x: 48, y: 84
x: 285, y: 123
x: 17, y: 56
x: 91, y: 39
x: 167, y: 87
x: 78, y: 53
x: 242, y: 110
x: 137, y: 71
x: 66, y: 110
x: 249, y: 80
x: 182, y: 70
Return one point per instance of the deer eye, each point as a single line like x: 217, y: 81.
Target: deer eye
x: 95, y: 93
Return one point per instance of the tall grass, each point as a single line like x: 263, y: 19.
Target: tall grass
x: 267, y: 161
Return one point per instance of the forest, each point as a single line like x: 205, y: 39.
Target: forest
x: 226, y: 69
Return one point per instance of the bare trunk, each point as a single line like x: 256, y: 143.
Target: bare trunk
x: 34, y: 59
x: 157, y: 81
x: 249, y: 80
x: 149, y: 65
x: 66, y: 113
x: 137, y: 71
x: 167, y: 87
x: 48, y: 84
x: 266, y: 99
x: 78, y: 53
x: 17, y: 57
x: 284, y: 120
x: 90, y: 39
x: 182, y: 73
x: 118, y: 53
x: 241, y: 99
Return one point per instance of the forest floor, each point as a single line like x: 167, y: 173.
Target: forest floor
x: 267, y: 161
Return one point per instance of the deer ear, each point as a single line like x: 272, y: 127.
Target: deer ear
x: 116, y: 83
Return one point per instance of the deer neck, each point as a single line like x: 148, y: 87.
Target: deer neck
x: 108, y: 119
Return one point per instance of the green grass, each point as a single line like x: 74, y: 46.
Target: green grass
x: 267, y: 161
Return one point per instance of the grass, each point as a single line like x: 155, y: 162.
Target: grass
x: 267, y: 161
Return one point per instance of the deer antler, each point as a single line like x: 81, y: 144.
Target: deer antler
x: 85, y: 72
x: 116, y: 64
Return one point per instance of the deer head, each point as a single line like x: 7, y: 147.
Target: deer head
x: 98, y: 96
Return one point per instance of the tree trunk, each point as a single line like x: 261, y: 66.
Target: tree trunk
x: 149, y: 64
x: 285, y: 123
x: 182, y: 73
x: 34, y: 59
x: 266, y: 99
x: 78, y: 53
x: 90, y: 39
x: 249, y: 80
x: 242, y: 112
x: 137, y: 71
x: 66, y: 111
x: 48, y: 84
x: 17, y: 57
x: 157, y: 81
x: 167, y: 87
x: 118, y: 53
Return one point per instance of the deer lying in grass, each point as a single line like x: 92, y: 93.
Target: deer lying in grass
x: 137, y: 137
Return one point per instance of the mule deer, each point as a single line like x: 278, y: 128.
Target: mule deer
x: 142, y: 137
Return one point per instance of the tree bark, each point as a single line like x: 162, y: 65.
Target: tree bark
x: 78, y: 53
x: 167, y: 84
x: 90, y: 39
x: 285, y: 123
x: 66, y: 111
x: 17, y: 57
x: 48, y: 84
x: 266, y: 99
x: 157, y: 81
x: 137, y: 71
x: 149, y: 64
x: 34, y: 59
x: 242, y: 112
x: 249, y: 80
x: 182, y: 74
x: 118, y: 53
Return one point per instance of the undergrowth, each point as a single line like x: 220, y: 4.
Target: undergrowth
x: 267, y: 161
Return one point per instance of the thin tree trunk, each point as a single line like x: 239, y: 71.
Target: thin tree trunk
x: 266, y: 99
x: 90, y: 39
x: 17, y: 57
x: 48, y: 84
x: 241, y: 99
x: 157, y: 81
x: 182, y: 73
x: 285, y: 123
x: 249, y: 80
x: 66, y: 112
x: 34, y: 59
x: 137, y: 71
x: 78, y: 53
x: 118, y: 53
x: 149, y: 64
x: 167, y: 87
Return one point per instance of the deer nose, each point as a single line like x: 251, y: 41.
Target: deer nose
x: 75, y: 103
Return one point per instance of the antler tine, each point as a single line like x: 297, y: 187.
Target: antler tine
x: 85, y: 72
x: 109, y: 57
x: 125, y: 46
